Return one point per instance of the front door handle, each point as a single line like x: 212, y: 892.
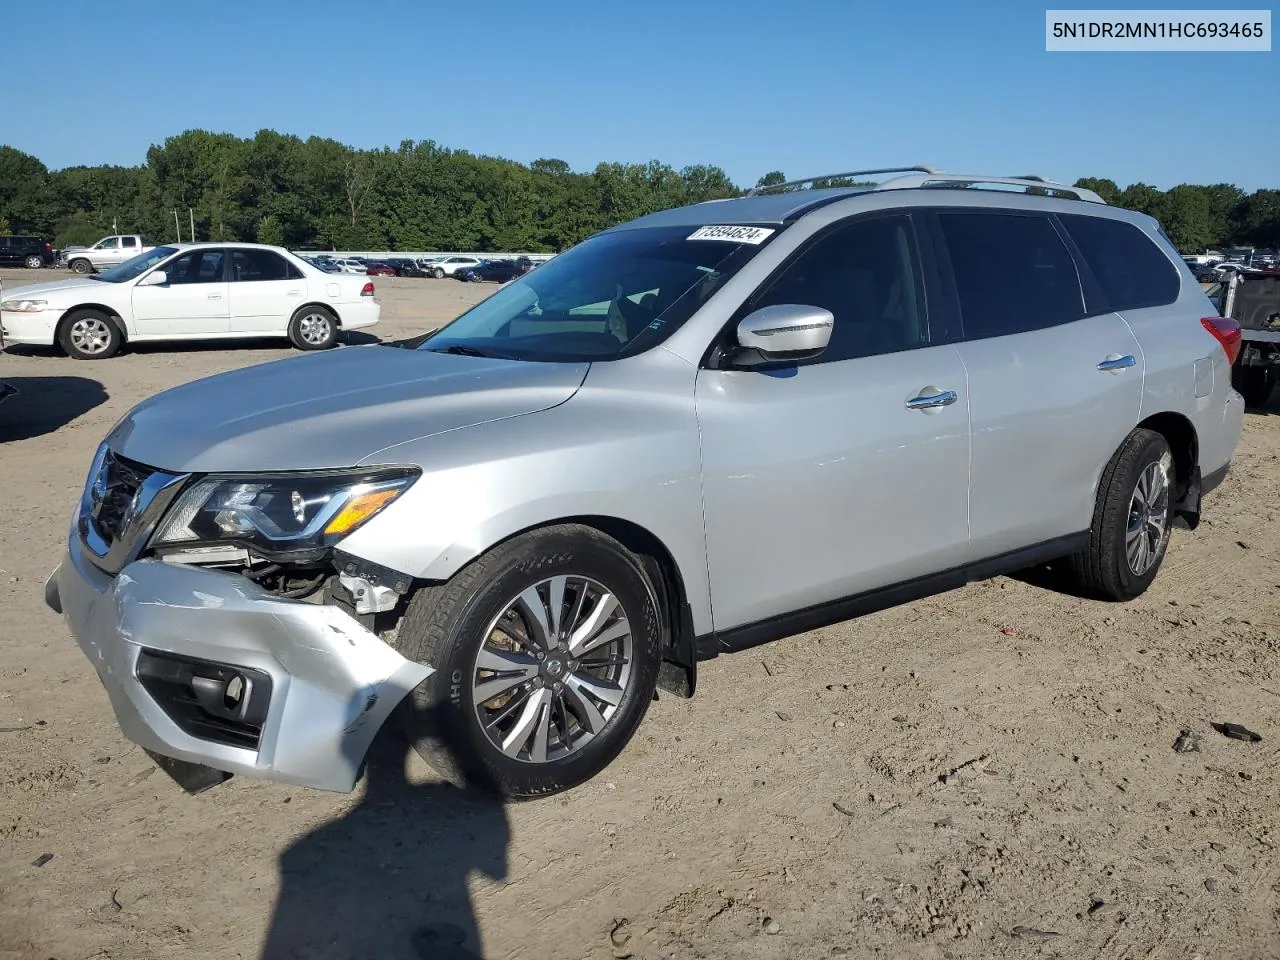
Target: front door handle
x: 930, y: 398
x: 215, y: 296
x: 1115, y: 362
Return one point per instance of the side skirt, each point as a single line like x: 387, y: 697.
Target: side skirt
x: 836, y: 611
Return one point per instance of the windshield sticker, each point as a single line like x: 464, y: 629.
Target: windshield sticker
x: 752, y: 235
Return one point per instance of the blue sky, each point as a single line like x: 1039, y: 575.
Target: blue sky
x: 807, y: 88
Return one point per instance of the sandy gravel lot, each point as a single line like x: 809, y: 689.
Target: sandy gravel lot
x: 989, y: 773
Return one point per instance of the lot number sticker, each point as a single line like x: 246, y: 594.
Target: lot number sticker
x: 752, y: 235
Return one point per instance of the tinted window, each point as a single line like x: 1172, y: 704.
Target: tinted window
x: 128, y: 241
x: 867, y: 274
x: 198, y: 266
x: 252, y: 265
x: 1012, y: 273
x: 1131, y: 269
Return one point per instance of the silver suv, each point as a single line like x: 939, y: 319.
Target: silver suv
x: 696, y: 432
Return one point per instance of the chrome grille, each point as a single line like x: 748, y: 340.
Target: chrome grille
x: 114, y: 494
x: 120, y: 507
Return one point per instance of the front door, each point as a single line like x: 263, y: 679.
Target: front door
x: 849, y: 472
x: 265, y: 291
x: 1053, y: 391
x: 191, y: 303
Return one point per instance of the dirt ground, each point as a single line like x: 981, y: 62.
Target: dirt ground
x: 989, y: 773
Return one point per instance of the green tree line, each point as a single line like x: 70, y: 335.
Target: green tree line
x: 318, y: 193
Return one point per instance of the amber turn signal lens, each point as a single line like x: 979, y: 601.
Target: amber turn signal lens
x: 359, y: 509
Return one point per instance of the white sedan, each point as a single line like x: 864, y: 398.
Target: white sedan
x: 190, y: 291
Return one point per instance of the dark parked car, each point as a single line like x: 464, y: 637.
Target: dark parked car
x: 31, y: 252
x: 497, y: 271
x: 405, y: 267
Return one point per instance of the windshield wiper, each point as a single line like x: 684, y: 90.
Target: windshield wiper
x: 463, y: 350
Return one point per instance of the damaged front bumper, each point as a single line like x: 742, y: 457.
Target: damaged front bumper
x: 208, y: 669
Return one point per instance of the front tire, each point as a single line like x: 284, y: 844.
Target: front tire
x: 546, y: 652
x: 90, y: 335
x: 1132, y: 520
x: 81, y: 266
x: 313, y: 328
x: 438, y: 273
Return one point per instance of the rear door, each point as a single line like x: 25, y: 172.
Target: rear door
x: 191, y: 303
x: 265, y: 290
x: 1055, y: 378
x: 849, y: 472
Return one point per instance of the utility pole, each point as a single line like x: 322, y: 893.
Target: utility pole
x: 192, y: 214
x: 176, y: 226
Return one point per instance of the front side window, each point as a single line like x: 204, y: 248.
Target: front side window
x: 613, y: 295
x: 134, y: 267
x: 259, y: 265
x: 867, y: 273
x: 1012, y: 273
x: 1130, y: 268
x: 198, y: 266
x: 110, y: 243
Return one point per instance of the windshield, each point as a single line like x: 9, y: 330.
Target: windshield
x: 613, y: 295
x: 134, y: 267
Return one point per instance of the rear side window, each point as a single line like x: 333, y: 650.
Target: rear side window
x: 1012, y: 273
x: 1130, y: 268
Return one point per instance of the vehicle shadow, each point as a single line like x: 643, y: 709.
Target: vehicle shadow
x: 389, y: 879
x: 43, y: 404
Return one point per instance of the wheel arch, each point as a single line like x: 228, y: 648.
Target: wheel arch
x: 326, y: 307
x: 112, y: 314
x: 1184, y: 443
x: 678, y: 673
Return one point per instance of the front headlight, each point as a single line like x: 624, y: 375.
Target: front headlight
x: 281, y: 514
x: 24, y: 306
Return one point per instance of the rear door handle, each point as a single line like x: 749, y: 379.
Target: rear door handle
x: 215, y: 296
x: 930, y: 398
x: 1115, y: 362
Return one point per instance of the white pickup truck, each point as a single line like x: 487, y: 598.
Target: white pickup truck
x: 107, y: 252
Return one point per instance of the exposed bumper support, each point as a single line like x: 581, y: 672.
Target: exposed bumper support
x: 332, y: 682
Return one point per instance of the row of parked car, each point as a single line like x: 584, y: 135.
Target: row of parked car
x: 460, y: 267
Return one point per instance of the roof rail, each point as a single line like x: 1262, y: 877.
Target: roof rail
x: 1029, y: 182
x: 756, y: 191
x: 922, y: 176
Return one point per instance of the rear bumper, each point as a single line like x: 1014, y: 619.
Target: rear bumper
x: 354, y: 316
x: 32, y: 328
x: 314, y: 684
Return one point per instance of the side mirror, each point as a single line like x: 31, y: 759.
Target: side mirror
x: 156, y: 278
x: 785, y: 331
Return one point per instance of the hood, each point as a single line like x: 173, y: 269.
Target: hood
x: 332, y: 409
x: 34, y: 291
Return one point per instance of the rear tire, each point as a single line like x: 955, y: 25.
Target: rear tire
x: 1132, y: 521
x: 34, y: 263
x: 1255, y: 384
x: 81, y: 266
x: 313, y: 328
x: 89, y: 335
x: 516, y: 707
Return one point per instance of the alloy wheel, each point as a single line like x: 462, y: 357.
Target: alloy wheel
x: 553, y: 668
x: 315, y: 328
x: 91, y: 335
x: 1148, y: 528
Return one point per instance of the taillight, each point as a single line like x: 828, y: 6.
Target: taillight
x: 1227, y: 332
x: 367, y: 291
